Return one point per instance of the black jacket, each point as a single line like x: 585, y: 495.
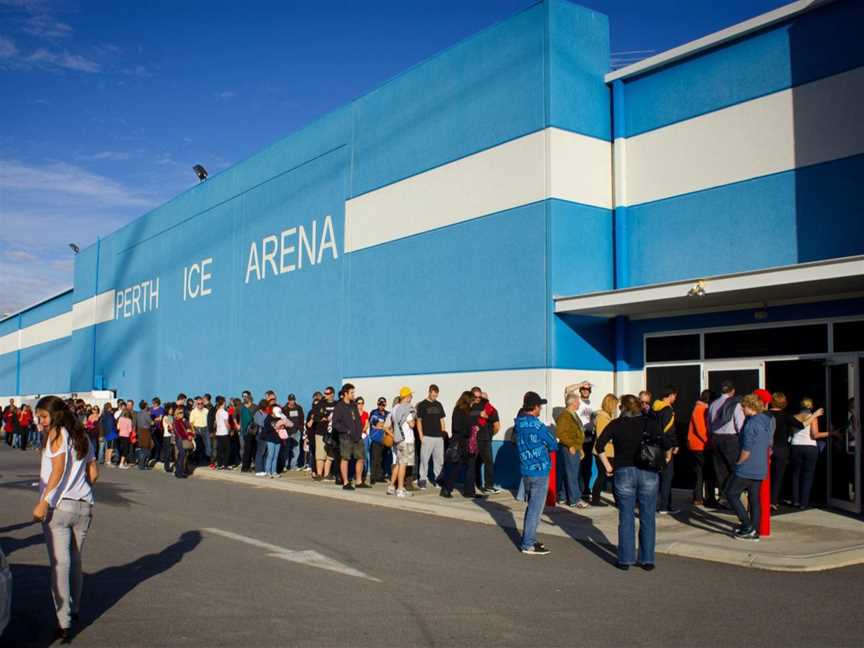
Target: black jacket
x: 346, y: 420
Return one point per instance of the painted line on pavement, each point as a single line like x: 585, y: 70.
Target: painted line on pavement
x: 307, y: 557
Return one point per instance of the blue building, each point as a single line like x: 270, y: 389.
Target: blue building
x: 511, y: 214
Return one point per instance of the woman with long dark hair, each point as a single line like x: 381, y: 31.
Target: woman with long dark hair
x: 459, y: 451
x: 65, y: 504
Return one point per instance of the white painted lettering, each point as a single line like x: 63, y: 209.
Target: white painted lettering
x: 127, y: 303
x: 269, y: 256
x: 154, y: 294
x: 286, y: 250
x: 205, y: 276
x: 136, y: 296
x: 304, y: 243
x: 327, y: 243
x: 118, y: 303
x: 253, y: 263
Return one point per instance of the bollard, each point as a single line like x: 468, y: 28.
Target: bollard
x: 765, y: 502
x: 552, y: 492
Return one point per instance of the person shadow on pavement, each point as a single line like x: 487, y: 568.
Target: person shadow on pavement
x: 33, y: 620
x: 579, y: 527
x: 701, y: 519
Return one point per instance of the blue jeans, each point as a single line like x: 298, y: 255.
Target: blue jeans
x: 101, y: 457
x: 570, y: 465
x: 260, y: 453
x: 16, y: 440
x: 535, y: 493
x: 293, y: 450
x: 272, y: 457
x: 34, y: 437
x: 631, y: 485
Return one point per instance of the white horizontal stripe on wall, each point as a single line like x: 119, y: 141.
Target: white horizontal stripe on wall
x: 10, y: 342
x: 89, y: 312
x: 505, y: 389
x: 53, y: 328
x: 93, y: 311
x: 812, y: 123
x: 547, y: 164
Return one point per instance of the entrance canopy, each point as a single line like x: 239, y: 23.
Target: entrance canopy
x: 804, y: 282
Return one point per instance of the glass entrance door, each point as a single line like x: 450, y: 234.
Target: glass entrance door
x: 843, y: 382
x: 746, y: 376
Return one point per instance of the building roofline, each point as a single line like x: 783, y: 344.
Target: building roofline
x: 734, y: 32
x: 35, y: 304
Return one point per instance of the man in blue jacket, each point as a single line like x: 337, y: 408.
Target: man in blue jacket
x: 534, y: 442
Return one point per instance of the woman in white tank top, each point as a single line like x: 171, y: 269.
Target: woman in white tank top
x: 68, y: 472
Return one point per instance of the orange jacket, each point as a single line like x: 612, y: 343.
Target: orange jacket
x: 697, y: 433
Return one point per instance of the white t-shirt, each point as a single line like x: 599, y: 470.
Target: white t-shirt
x: 221, y: 422
x: 407, y: 430
x: 584, y: 413
x: 73, y: 485
x: 166, y: 426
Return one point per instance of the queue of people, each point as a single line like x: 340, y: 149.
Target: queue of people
x: 628, y: 444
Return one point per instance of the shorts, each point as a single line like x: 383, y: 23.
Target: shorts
x: 403, y: 453
x: 350, y: 449
x: 322, y: 450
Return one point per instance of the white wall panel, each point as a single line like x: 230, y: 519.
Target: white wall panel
x: 505, y: 388
x: 500, y: 178
x: 93, y: 311
x: 813, y: 123
x: 48, y: 330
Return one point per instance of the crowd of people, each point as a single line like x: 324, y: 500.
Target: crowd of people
x: 409, y: 446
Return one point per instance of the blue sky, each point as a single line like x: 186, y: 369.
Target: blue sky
x: 106, y: 105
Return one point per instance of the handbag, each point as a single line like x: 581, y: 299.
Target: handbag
x: 387, y: 439
x: 188, y: 444
x: 651, y: 456
x: 454, y: 453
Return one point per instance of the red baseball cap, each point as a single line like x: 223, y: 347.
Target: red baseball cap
x: 764, y: 395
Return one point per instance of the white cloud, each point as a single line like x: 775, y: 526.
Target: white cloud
x: 107, y: 155
x: 7, y: 48
x: 19, y: 255
x: 43, y: 25
x: 65, y: 60
x: 61, y: 179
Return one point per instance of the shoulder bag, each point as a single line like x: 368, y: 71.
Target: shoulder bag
x: 651, y: 456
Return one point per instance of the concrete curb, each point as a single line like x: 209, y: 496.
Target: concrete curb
x: 500, y: 513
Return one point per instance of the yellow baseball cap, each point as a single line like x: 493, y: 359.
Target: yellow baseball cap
x: 405, y: 392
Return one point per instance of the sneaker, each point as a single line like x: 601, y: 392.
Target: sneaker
x: 391, y: 490
x: 363, y: 485
x: 747, y: 534
x: 421, y: 485
x: 446, y: 493
x: 539, y: 549
x: 261, y: 474
x: 403, y: 493
x: 348, y: 487
x: 647, y: 566
x: 317, y: 478
x: 673, y: 511
x: 582, y: 505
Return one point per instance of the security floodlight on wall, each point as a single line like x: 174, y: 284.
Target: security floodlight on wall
x: 698, y: 290
x: 200, y: 171
x: 75, y: 248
